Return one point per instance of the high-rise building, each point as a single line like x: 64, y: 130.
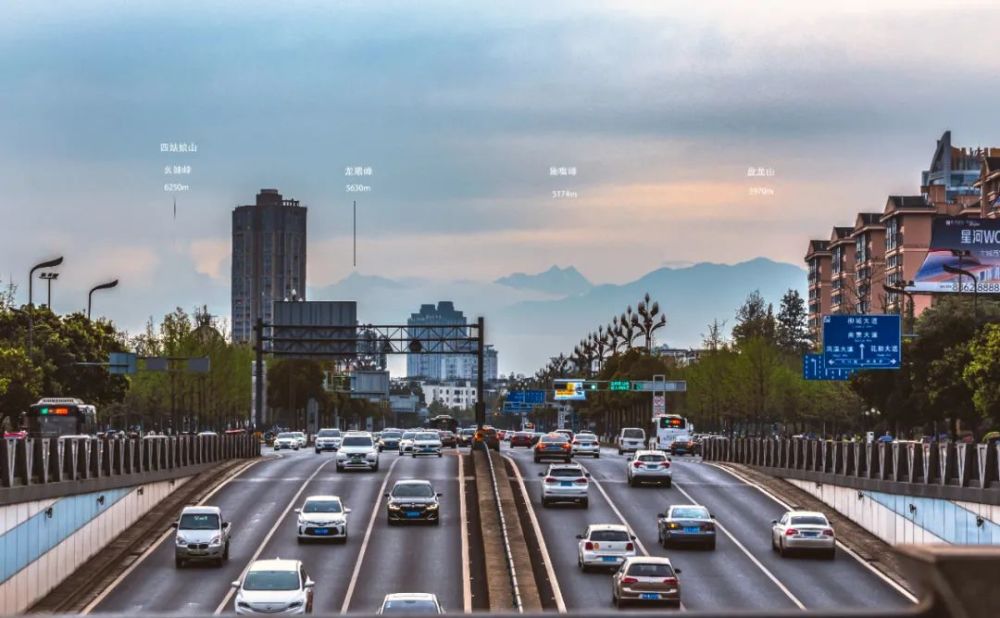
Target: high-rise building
x: 269, y: 259
x: 445, y: 366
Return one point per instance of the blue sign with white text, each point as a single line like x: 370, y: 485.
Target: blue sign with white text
x: 862, y: 341
x: 531, y: 397
x: 814, y: 368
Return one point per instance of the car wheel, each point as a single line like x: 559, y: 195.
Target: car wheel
x: 618, y: 601
x: 225, y: 552
x: 437, y: 522
x: 392, y: 522
x: 179, y: 563
x: 670, y: 483
x: 781, y: 549
x: 299, y: 540
x: 439, y: 454
x: 711, y: 545
x: 774, y: 546
x: 585, y: 503
x: 375, y: 467
x: 413, y: 455
x: 831, y: 554
x: 545, y: 502
x: 340, y: 468
x: 631, y: 481
x: 620, y: 452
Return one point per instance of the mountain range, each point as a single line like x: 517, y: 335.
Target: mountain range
x: 531, y: 317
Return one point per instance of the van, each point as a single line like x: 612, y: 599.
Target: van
x: 630, y: 440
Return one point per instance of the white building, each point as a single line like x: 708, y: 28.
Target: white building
x: 461, y: 395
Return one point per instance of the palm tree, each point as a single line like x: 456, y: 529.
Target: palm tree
x: 647, y: 321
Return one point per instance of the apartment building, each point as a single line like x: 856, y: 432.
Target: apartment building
x: 818, y: 258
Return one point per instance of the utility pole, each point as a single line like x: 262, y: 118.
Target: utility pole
x: 258, y: 407
x: 480, y: 385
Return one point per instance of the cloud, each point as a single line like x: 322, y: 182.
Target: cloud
x: 211, y: 257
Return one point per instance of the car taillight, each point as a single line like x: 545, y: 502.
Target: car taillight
x: 637, y: 464
x: 791, y: 532
x: 629, y: 547
x: 708, y: 527
x: 630, y: 580
x: 588, y: 546
x: 567, y: 446
x: 666, y: 464
x: 828, y: 532
x: 550, y: 479
x: 581, y: 481
x: 670, y: 580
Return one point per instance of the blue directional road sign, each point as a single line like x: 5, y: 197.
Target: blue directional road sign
x: 814, y: 368
x: 121, y: 363
x: 862, y: 341
x: 532, y: 397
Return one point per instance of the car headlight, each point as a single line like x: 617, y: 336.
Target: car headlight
x: 181, y: 542
x: 216, y: 540
x: 393, y: 507
x: 371, y: 456
x: 432, y: 507
x: 341, y: 455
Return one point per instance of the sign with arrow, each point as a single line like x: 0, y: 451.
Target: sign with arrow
x: 862, y: 341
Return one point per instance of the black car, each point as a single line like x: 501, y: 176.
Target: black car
x: 448, y: 438
x: 553, y: 446
x: 413, y: 501
x: 389, y: 440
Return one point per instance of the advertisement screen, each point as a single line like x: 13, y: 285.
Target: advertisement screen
x: 972, y: 245
x: 569, y: 390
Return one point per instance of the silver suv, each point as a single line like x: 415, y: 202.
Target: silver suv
x: 202, y: 536
x: 357, y: 450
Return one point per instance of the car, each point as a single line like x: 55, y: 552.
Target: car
x: 286, y: 440
x: 649, y: 467
x: 406, y: 442
x: 448, y: 438
x: 389, y: 440
x: 487, y: 436
x: 522, y: 438
x: 803, y: 531
x: 322, y: 517
x: 466, y: 436
x: 535, y: 437
x: 202, y: 536
x: 553, y: 446
x: 565, y: 483
x: 413, y: 501
x: 301, y: 437
x: 274, y: 587
x: 684, y: 524
x: 327, y: 440
x: 646, y: 578
x: 682, y: 445
x: 630, y: 439
x: 566, y: 432
x: 203, y: 434
x: 426, y: 443
x: 603, y: 546
x: 586, y: 444
x: 502, y: 435
x: 357, y: 450
x: 410, y: 603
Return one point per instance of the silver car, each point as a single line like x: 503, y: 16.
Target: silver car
x: 202, y: 536
x: 286, y: 440
x: 646, y: 578
x: 426, y: 443
x: 586, y: 444
x: 803, y: 530
x: 274, y: 587
x: 327, y: 440
x: 565, y: 483
x: 686, y: 524
x: 410, y: 603
x: 649, y: 467
x: 357, y: 451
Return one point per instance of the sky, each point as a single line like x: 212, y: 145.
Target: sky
x: 461, y: 110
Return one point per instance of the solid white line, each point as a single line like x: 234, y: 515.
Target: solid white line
x: 368, y: 533
x: 277, y: 523
x: 850, y: 552
x: 466, y: 574
x: 166, y: 535
x: 769, y: 574
x: 546, y: 560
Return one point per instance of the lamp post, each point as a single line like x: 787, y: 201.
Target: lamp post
x: 975, y: 287
x: 103, y: 286
x: 31, y: 305
x: 48, y: 277
x: 899, y: 289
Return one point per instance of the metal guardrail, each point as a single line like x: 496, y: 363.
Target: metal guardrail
x: 516, y: 591
x: 951, y: 471
x: 32, y: 469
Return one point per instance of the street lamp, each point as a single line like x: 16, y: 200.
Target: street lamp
x: 975, y: 287
x: 48, y: 277
x: 901, y: 289
x: 31, y: 306
x: 103, y: 286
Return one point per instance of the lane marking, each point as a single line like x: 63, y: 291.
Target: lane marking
x: 166, y: 535
x: 274, y: 528
x: 768, y: 573
x: 368, y: 533
x: 546, y: 560
x: 466, y: 574
x: 850, y: 552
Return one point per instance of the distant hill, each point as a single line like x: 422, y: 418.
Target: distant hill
x: 559, y: 281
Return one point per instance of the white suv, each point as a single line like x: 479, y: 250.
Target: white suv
x: 357, y: 450
x: 565, y: 483
x: 327, y: 440
x: 649, y: 467
x: 631, y: 439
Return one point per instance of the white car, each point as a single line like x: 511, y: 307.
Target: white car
x: 426, y: 443
x: 406, y: 442
x: 586, y: 444
x: 565, y: 483
x: 604, y: 545
x: 631, y: 439
x: 327, y: 440
x: 301, y: 437
x: 274, y: 587
x: 357, y: 450
x: 322, y: 517
x: 803, y: 530
x: 286, y: 440
x: 410, y: 603
x: 649, y: 467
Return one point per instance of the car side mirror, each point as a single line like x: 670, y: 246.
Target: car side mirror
x: 347, y: 510
x: 774, y: 522
x: 661, y: 515
x: 309, y: 583
x: 386, y: 495
x: 298, y: 510
x: 587, y: 474
x: 439, y: 494
x: 711, y: 515
x: 633, y: 536
x: 541, y: 474
x: 235, y: 584
x: 226, y: 524
x: 579, y: 536
x: 173, y: 525
x: 678, y: 571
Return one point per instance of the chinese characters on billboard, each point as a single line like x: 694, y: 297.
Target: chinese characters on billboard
x: 972, y: 245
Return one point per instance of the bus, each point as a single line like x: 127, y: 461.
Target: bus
x: 669, y: 427
x: 443, y: 422
x: 54, y: 417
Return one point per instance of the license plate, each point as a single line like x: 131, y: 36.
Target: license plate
x: 653, y: 467
x: 810, y: 534
x: 650, y: 596
x: 413, y: 513
x: 321, y: 531
x: 609, y: 559
x: 565, y: 484
x: 692, y: 529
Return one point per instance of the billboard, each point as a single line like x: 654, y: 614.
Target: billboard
x: 570, y: 390
x: 977, y: 245
x: 315, y: 329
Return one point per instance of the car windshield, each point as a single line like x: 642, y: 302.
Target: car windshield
x: 632, y: 434
x: 199, y: 521
x: 650, y: 570
x: 408, y: 435
x: 554, y: 439
x: 410, y: 606
x: 570, y: 472
x: 609, y: 535
x: 586, y: 437
x: 427, y: 436
x: 357, y: 441
x: 468, y: 432
x: 809, y: 520
x: 689, y: 512
x: 651, y: 457
x: 286, y: 436
x: 328, y: 433
x: 413, y: 490
x: 322, y: 506
x: 390, y: 435
x: 271, y: 580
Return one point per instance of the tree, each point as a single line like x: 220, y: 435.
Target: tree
x: 648, y: 322
x: 792, y: 330
x: 754, y: 319
x: 20, y: 384
x: 982, y: 373
x: 291, y: 383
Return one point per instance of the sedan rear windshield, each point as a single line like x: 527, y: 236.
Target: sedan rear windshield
x: 556, y: 439
x: 199, y: 521
x: 357, y: 441
x: 413, y: 490
x: 609, y: 535
x: 570, y: 472
x: 328, y: 433
x: 409, y: 607
x: 652, y: 457
x: 586, y: 437
x: 689, y: 513
x: 650, y: 570
x: 809, y: 520
x: 427, y: 436
x: 633, y: 434
x: 271, y: 580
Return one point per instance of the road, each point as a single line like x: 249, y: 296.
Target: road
x: 260, y: 504
x: 742, y: 572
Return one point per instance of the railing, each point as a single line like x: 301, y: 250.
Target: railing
x: 952, y: 471
x: 38, y: 468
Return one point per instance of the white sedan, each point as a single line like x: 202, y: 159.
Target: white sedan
x: 803, y: 530
x: 586, y: 444
x: 322, y: 517
x: 426, y: 443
